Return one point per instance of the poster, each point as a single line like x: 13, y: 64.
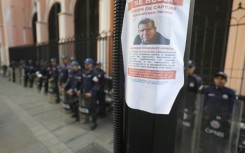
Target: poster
x: 153, y: 42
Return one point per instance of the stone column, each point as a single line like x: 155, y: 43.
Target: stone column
x: 42, y: 32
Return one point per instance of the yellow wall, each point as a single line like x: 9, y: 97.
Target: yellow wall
x: 235, y: 57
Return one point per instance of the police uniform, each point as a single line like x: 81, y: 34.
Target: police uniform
x: 100, y: 92
x: 53, y: 72
x: 194, y: 82
x: 73, y: 83
x: 89, y: 85
x: 217, y: 113
x: 64, y: 75
x: 29, y: 72
x: 46, y: 76
x: 40, y: 74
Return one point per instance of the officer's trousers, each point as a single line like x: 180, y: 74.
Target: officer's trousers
x: 91, y: 104
x: 101, y: 99
x: 25, y: 80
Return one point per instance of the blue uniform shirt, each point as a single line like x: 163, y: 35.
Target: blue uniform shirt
x: 193, y: 83
x: 90, y: 82
x: 29, y: 69
x: 101, y: 78
x: 64, y: 73
x: 74, y: 81
x: 219, y: 101
x: 53, y: 72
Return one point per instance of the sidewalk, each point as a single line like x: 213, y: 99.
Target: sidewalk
x: 29, y: 124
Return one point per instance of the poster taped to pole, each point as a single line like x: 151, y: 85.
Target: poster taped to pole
x: 153, y: 43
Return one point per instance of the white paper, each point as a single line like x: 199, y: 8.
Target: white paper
x: 153, y: 56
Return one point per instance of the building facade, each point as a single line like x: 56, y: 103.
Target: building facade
x: 38, y: 22
x: 84, y: 28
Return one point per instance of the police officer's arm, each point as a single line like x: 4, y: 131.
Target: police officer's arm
x: 93, y: 91
x: 79, y: 84
x: 205, y: 91
x: 233, y: 95
x: 199, y: 82
x: 67, y: 86
x: 96, y: 84
x: 101, y: 82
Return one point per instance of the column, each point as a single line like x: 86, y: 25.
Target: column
x: 42, y: 32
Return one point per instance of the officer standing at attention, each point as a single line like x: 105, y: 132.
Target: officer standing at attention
x: 88, y: 92
x: 72, y: 86
x: 41, y: 75
x: 194, y: 82
x: 101, y: 89
x: 218, y: 107
x: 29, y: 73
x: 53, y: 79
x: 64, y: 75
x: 46, y: 76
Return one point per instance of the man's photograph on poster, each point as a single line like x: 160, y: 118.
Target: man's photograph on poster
x: 149, y: 33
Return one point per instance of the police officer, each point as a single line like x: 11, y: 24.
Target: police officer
x: 13, y: 67
x: 29, y: 71
x: 101, y: 89
x: 64, y: 71
x: 41, y: 74
x: 88, y: 92
x: 194, y: 82
x: 217, y: 113
x: 53, y: 72
x: 64, y: 75
x: 32, y: 72
x: 46, y: 76
x: 71, y: 87
x: 37, y: 73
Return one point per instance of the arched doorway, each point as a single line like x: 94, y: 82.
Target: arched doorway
x: 53, y: 27
x: 86, y: 28
x: 34, y: 29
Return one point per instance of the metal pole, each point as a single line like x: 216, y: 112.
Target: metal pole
x: 138, y: 131
x: 118, y: 78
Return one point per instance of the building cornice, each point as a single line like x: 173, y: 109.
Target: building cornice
x: 41, y: 22
x: 64, y: 13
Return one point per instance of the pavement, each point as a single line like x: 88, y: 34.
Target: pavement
x: 29, y: 124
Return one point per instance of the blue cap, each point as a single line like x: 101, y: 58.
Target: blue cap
x: 53, y: 60
x: 88, y: 61
x: 73, y: 58
x: 65, y: 57
x: 192, y: 63
x: 75, y: 63
x: 222, y: 74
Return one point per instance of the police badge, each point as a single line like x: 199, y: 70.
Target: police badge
x: 215, y: 124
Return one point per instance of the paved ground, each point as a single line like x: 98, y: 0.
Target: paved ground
x: 29, y: 124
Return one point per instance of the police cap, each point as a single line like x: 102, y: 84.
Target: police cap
x: 222, y: 74
x: 75, y: 63
x: 73, y: 58
x: 192, y: 63
x: 53, y: 60
x: 65, y: 57
x: 88, y: 61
